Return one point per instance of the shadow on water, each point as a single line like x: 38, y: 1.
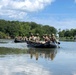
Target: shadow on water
x: 42, y: 53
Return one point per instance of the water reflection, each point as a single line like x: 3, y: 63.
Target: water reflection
x: 42, y: 53
x: 10, y: 51
x: 33, y: 52
x: 33, y: 61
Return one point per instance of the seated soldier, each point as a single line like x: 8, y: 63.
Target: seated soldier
x: 53, y: 38
x: 46, y: 38
x: 49, y: 36
x: 31, y: 38
x: 25, y: 38
x: 37, y: 38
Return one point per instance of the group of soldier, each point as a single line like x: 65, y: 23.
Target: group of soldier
x: 46, y: 38
x: 36, y: 38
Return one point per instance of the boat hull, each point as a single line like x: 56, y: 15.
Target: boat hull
x: 19, y: 41
x: 41, y: 45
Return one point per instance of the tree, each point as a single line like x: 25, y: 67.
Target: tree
x: 16, y: 28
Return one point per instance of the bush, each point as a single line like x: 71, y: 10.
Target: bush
x: 2, y: 35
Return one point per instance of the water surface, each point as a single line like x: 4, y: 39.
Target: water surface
x: 17, y: 59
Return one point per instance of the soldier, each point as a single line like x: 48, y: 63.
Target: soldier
x: 37, y: 38
x: 31, y: 38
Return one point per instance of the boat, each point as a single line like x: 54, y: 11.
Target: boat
x: 41, y: 45
x: 19, y: 41
x: 37, y: 44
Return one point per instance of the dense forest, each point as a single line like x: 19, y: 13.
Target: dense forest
x: 15, y: 28
x: 67, y: 34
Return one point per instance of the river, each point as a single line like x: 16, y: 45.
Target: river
x: 18, y: 59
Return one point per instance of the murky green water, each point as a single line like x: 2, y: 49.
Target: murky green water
x: 17, y: 59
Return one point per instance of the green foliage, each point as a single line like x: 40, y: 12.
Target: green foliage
x: 68, y: 34
x: 16, y: 28
x: 2, y: 35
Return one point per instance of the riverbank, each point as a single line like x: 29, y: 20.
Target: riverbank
x: 66, y: 39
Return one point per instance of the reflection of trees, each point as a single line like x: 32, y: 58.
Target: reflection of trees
x: 37, y: 53
x: 5, y: 51
x: 43, y: 53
